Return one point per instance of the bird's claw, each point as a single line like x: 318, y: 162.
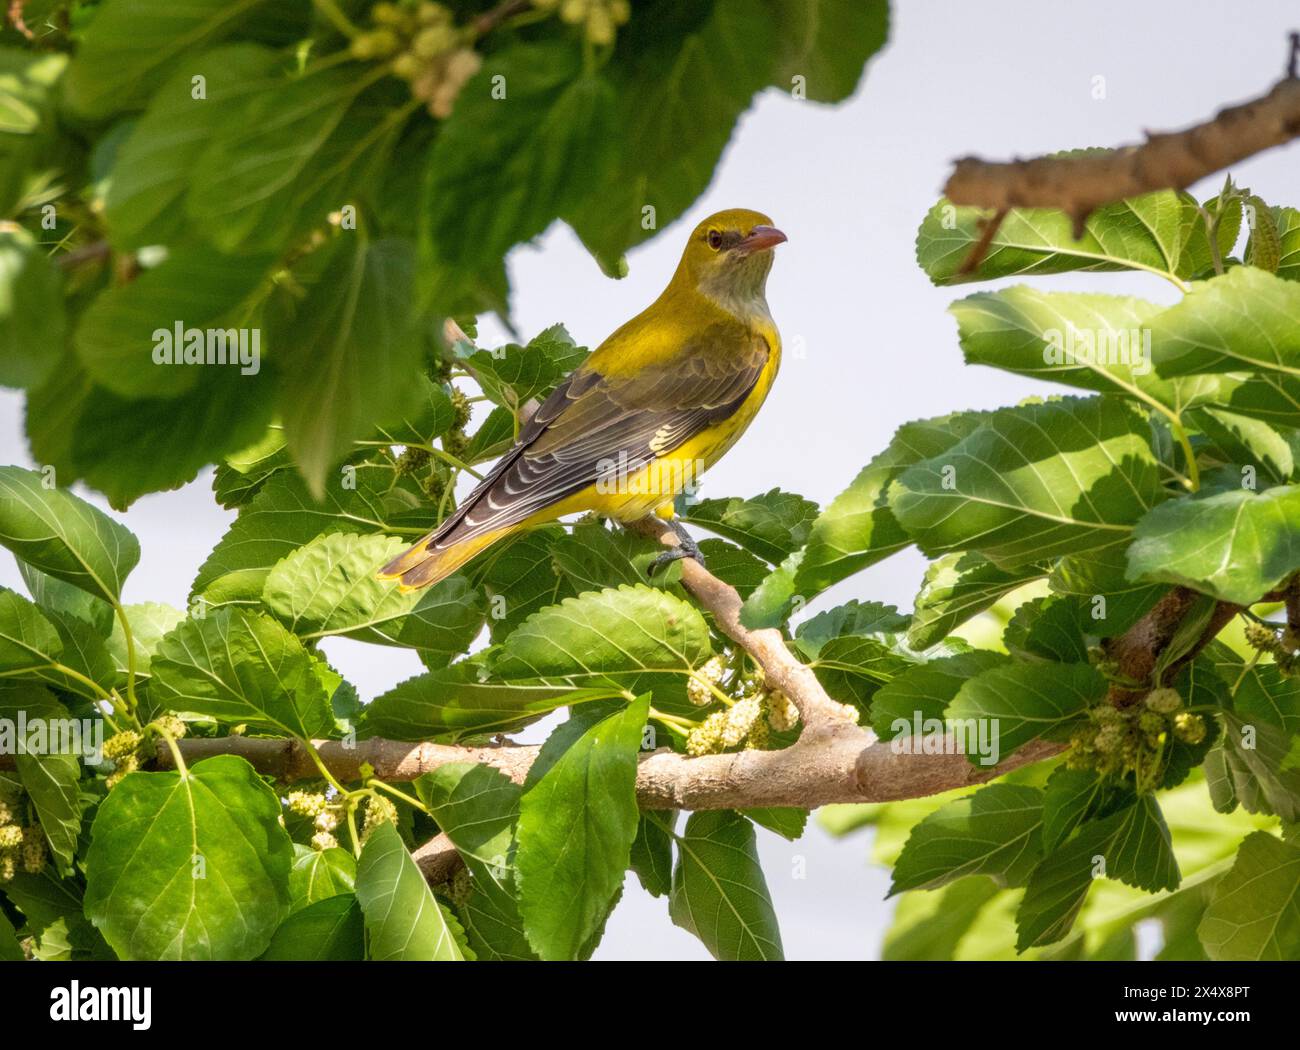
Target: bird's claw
x: 686, y: 548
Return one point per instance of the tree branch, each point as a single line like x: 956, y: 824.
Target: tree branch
x: 1078, y: 185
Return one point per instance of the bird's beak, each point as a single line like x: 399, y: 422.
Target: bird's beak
x: 761, y: 239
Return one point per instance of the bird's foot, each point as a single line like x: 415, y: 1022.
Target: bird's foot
x: 686, y: 548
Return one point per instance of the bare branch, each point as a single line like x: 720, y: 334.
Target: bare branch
x: 1078, y: 185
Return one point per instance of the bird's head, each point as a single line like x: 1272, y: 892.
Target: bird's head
x: 728, y: 256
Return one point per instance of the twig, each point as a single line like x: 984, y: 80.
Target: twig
x: 1173, y: 160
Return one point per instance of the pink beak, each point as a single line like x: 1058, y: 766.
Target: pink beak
x: 761, y: 239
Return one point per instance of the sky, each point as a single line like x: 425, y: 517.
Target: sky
x: 868, y: 342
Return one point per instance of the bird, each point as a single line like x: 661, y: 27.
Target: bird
x: 652, y: 407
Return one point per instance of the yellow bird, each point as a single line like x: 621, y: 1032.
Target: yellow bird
x: 653, y: 406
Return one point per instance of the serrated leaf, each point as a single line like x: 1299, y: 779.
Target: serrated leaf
x: 772, y: 525
x: 577, y: 820
x: 328, y: 930
x: 1144, y: 233
x: 241, y: 667
x: 1131, y: 845
x: 64, y: 536
x: 404, y: 920
x: 601, y: 633
x: 348, y: 352
x: 329, y: 587
x: 1025, y: 702
x: 997, y: 832
x: 1235, y: 545
x: 858, y: 528
x: 1034, y: 482
x: 318, y: 874
x: 921, y: 694
x: 652, y: 851
x: 718, y: 891
x: 956, y: 587
x: 189, y: 865
x: 477, y: 807
x: 1255, y: 912
x: 453, y: 702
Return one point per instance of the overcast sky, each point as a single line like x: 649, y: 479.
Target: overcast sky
x: 849, y: 185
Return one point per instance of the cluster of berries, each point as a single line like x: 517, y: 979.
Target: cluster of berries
x: 379, y: 810
x: 748, y: 721
x: 426, y: 49
x: 1118, y: 740
x: 599, y: 19
x: 1283, y: 646
x: 21, y: 845
x: 324, y: 815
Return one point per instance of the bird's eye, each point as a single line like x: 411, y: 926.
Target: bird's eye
x: 715, y: 239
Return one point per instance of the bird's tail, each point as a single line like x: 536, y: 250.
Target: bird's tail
x: 433, y: 559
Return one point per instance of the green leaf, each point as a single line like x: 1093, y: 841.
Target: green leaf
x: 1144, y: 233
x: 1097, y: 342
x: 1239, y: 441
x: 681, y: 77
x: 404, y: 920
x: 930, y: 926
x: 594, y: 557
x: 453, y: 702
x: 858, y: 528
x: 477, y: 807
x: 111, y: 441
x: 1069, y: 797
x: 922, y: 693
x: 329, y: 587
x: 157, y: 164
x: 602, y: 633
x: 150, y: 622
x: 956, y: 587
x: 282, y: 517
x: 1235, y: 545
x: 1034, y: 482
x: 1287, y: 221
x: 241, y: 667
x: 131, y: 46
x: 1255, y: 912
x: 305, y: 146
x: 1131, y: 845
x: 329, y: 930
x: 1099, y: 578
x: 54, y: 910
x: 827, y: 43
x: 501, y: 167
x: 1242, y: 321
x: 31, y: 310
x: 64, y: 536
x: 189, y: 865
x: 122, y: 336
x: 319, y: 874
x: 772, y: 525
x: 1250, y: 767
x: 718, y: 890
x: 29, y: 642
x: 67, y: 600
x: 511, y: 375
x: 997, y: 831
x: 652, y: 851
x: 786, y: 821
x: 1025, y: 702
x: 521, y: 576
x: 30, y: 142
x: 50, y: 773
x: 348, y: 351
x: 10, y: 949
x: 577, y: 820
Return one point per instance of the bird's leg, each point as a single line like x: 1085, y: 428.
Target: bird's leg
x: 686, y: 548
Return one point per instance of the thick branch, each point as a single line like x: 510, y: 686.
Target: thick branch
x: 1078, y: 185
x: 840, y: 762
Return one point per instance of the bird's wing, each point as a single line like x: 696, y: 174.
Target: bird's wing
x: 596, y: 427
